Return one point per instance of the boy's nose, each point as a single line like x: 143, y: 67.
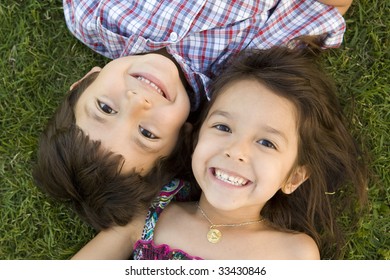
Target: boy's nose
x: 139, y: 100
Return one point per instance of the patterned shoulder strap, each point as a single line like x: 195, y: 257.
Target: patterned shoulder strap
x: 162, y: 200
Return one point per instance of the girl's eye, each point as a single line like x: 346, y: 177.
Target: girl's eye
x: 267, y: 143
x: 105, y: 108
x: 147, y: 133
x: 223, y: 128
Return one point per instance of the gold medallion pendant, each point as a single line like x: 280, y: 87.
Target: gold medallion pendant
x: 214, y: 235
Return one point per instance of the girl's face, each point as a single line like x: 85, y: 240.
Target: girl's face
x: 135, y: 107
x: 247, y: 147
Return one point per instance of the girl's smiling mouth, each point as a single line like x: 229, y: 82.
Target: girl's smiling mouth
x: 229, y: 178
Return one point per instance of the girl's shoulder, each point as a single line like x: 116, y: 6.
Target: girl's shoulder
x: 175, y: 213
x: 282, y: 245
x: 302, y: 247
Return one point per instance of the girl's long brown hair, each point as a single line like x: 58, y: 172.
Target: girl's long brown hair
x: 326, y: 147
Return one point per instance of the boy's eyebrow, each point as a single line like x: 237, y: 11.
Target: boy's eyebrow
x: 92, y: 115
x: 144, y: 147
x: 137, y: 141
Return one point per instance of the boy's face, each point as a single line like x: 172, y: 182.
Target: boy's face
x: 135, y: 107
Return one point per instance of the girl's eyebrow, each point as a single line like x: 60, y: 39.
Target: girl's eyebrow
x: 266, y: 128
x: 220, y: 113
x: 276, y: 132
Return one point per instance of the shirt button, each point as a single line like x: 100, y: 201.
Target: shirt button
x: 173, y: 36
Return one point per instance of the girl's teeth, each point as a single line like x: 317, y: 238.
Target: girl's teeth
x: 238, y: 181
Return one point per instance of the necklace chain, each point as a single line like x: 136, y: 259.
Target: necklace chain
x: 226, y: 225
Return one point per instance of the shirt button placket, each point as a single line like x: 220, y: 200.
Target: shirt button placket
x: 173, y: 37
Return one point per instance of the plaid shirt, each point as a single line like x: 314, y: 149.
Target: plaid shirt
x: 200, y: 34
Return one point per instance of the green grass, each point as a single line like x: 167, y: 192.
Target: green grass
x: 40, y: 59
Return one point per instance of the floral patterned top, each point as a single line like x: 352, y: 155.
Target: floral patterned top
x: 145, y: 248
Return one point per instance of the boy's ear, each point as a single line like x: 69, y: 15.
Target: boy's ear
x: 296, y: 179
x: 187, y: 133
x: 93, y: 70
x: 188, y: 128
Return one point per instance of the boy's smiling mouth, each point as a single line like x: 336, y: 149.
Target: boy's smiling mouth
x: 229, y: 178
x: 152, y: 85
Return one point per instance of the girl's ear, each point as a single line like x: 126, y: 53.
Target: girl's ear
x: 93, y: 70
x: 296, y: 179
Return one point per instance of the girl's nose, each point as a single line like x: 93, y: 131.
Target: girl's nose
x: 237, y: 151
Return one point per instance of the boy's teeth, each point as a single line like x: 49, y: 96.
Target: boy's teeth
x: 238, y: 181
x: 151, y: 84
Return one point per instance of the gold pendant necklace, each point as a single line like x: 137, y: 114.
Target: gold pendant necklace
x: 214, y: 235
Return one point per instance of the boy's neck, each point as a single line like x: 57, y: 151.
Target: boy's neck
x: 165, y: 53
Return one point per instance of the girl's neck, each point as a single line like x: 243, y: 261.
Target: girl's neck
x: 228, y: 216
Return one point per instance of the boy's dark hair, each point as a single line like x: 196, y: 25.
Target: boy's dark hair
x: 325, y: 146
x: 74, y: 169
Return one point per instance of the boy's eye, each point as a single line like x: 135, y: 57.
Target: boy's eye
x: 147, y: 133
x: 267, y: 143
x: 105, y: 108
x: 222, y: 127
